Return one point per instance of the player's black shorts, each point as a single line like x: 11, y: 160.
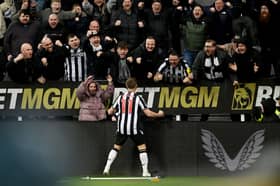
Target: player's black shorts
x: 138, y: 139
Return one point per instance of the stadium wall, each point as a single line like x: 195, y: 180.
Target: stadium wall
x: 71, y: 148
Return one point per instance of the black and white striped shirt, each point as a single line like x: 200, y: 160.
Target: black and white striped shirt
x: 171, y: 74
x: 76, y: 65
x: 129, y: 105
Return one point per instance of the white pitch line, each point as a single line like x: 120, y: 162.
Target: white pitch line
x: 119, y: 178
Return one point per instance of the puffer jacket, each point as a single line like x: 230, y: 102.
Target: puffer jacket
x: 92, y: 108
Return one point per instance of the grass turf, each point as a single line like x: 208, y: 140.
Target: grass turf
x: 253, y: 180
x: 167, y: 181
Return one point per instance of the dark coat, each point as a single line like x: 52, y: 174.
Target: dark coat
x: 57, y: 33
x: 245, y: 65
x: 220, y: 26
x: 22, y: 71
x: 158, y: 26
x: 128, y: 31
x: 149, y: 63
x: 100, y: 66
x: 17, y: 33
x: 55, y: 68
x: 200, y: 70
x: 115, y: 71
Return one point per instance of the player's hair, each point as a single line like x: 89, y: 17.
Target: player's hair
x: 156, y: 1
x: 55, y: 1
x: 150, y: 37
x: 173, y: 52
x: 211, y: 41
x: 24, y: 12
x: 76, y: 5
x: 131, y: 83
x: 70, y: 36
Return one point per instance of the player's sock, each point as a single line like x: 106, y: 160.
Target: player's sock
x: 111, y: 157
x: 144, y: 162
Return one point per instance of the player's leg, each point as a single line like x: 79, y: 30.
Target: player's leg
x: 120, y: 140
x: 143, y: 155
x: 111, y: 157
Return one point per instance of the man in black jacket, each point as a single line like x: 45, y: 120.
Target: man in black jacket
x: 21, y: 31
x: 99, y: 59
x: 148, y: 57
x: 157, y: 25
x: 126, y: 25
x: 50, y: 60
x: 21, y: 68
x: 211, y: 63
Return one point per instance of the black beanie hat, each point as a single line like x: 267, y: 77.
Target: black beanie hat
x: 269, y: 106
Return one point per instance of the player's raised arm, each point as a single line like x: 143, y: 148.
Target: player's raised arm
x: 153, y: 114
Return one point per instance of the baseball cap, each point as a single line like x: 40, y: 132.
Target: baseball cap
x: 94, y: 33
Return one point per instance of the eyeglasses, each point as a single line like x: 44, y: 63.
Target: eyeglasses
x: 48, y: 44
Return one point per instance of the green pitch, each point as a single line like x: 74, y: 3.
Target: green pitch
x: 167, y: 181
x: 253, y: 180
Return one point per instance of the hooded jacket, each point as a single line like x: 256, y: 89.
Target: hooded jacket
x: 4, y: 7
x: 92, y: 107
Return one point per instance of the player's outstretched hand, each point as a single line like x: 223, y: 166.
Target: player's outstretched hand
x: 161, y: 113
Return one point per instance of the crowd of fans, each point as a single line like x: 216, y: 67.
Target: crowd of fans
x: 172, y: 41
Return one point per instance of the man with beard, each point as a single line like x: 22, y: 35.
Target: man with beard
x: 92, y: 99
x: 268, y: 35
x: 148, y: 57
x: 174, y: 70
x: 211, y: 63
x: 21, y: 31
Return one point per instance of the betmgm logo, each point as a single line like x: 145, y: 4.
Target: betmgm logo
x: 243, y: 97
x: 246, y: 156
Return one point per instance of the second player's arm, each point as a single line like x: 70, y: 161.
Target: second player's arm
x: 153, y: 114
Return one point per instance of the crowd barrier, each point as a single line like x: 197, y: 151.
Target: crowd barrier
x: 175, y: 149
x: 59, y: 98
